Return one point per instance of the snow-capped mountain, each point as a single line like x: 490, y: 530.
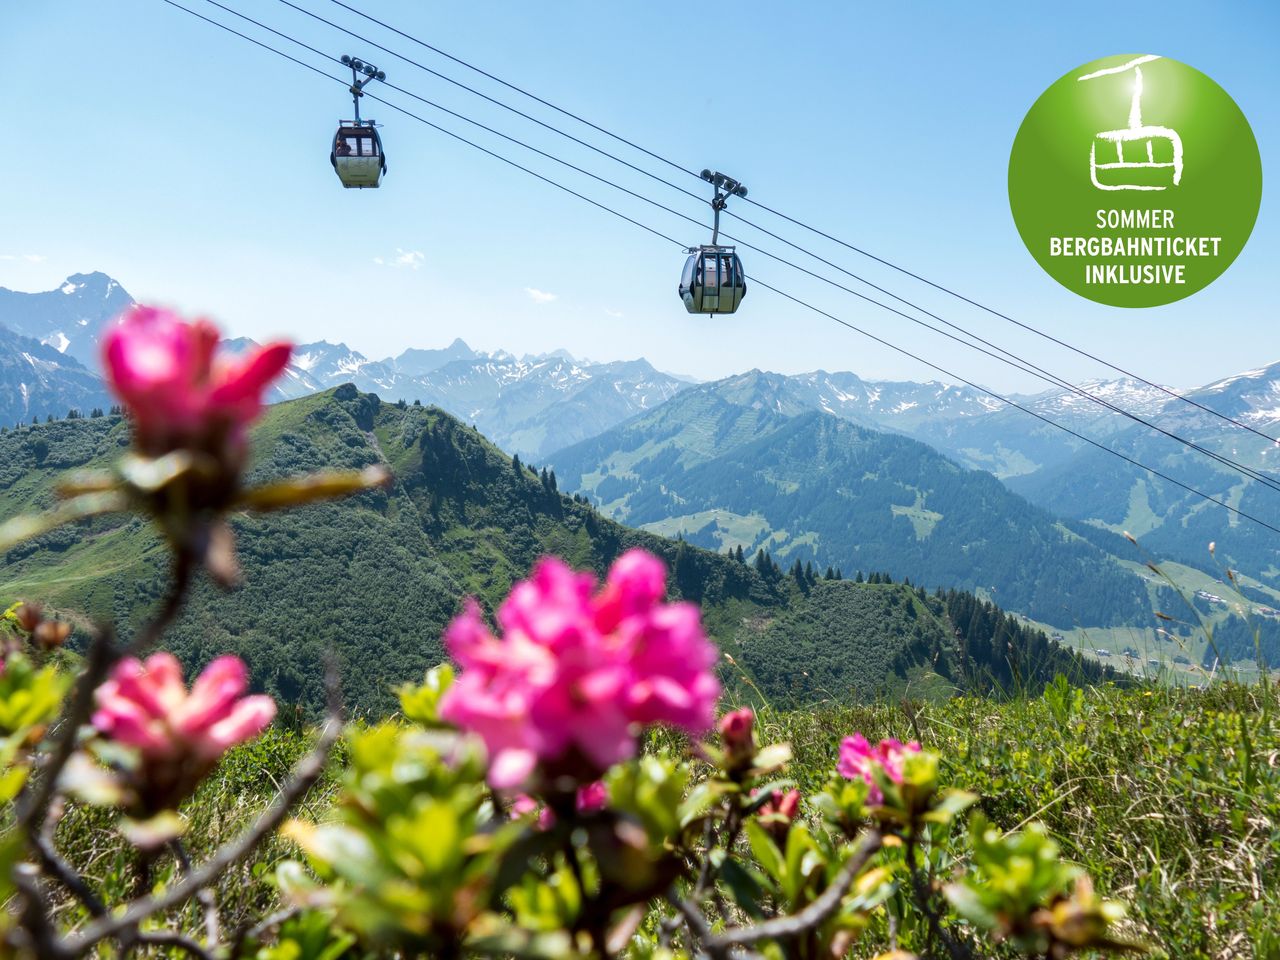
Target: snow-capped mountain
x: 886, y: 403
x: 1252, y: 397
x: 529, y: 405
x: 69, y: 319
x: 37, y: 380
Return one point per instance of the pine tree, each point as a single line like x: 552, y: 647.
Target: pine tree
x: 515, y: 464
x: 859, y: 577
x: 831, y: 574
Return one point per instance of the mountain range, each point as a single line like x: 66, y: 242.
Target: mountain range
x: 374, y: 579
x: 529, y: 405
x: 743, y: 463
x: 631, y: 437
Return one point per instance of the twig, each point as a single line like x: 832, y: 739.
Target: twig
x: 304, y: 775
x: 169, y: 938
x: 66, y: 874
x: 697, y: 923
x: 183, y: 571
x: 36, y: 925
x: 816, y: 913
x: 259, y: 929
x: 923, y: 898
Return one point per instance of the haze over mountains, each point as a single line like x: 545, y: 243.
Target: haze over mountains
x: 804, y: 465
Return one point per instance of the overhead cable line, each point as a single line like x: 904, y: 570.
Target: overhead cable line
x: 1080, y: 351
x: 520, y: 90
x: 469, y: 89
x: 423, y: 120
x: 1021, y: 363
x: 1018, y: 363
x: 797, y: 300
x: 1017, y: 406
x: 778, y: 213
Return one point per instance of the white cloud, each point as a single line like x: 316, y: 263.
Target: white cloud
x: 540, y: 296
x: 29, y: 257
x: 412, y: 259
x: 616, y: 314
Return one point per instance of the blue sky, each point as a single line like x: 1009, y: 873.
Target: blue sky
x: 194, y: 168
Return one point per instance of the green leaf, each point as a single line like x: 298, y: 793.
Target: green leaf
x: 153, y: 833
x: 953, y: 803
x: 969, y: 905
x: 744, y: 887
x: 771, y: 759
x: 766, y: 851
x: 86, y: 505
x: 150, y: 474
x: 421, y: 702
x: 326, y: 485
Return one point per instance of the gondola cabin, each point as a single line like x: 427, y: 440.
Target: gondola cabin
x: 713, y: 281
x: 357, y: 155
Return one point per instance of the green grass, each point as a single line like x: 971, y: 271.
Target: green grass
x: 1170, y: 799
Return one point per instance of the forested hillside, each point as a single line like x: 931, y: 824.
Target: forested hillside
x: 375, y: 579
x: 740, y: 464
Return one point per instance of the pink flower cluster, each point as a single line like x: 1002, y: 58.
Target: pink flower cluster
x: 778, y: 811
x: 577, y: 673
x: 180, y: 734
x: 860, y: 760
x: 178, y: 393
x: 590, y: 798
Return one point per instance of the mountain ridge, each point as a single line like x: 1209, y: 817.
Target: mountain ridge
x: 393, y: 565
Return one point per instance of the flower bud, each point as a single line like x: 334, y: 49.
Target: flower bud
x: 51, y: 634
x: 778, y: 811
x: 737, y: 732
x: 29, y: 616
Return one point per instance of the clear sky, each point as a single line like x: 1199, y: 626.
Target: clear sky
x: 193, y: 167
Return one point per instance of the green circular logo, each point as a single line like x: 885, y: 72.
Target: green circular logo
x: 1135, y: 180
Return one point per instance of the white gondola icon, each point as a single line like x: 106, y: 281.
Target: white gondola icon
x: 1135, y: 174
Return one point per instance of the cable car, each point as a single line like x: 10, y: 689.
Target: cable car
x: 357, y: 155
x: 713, y: 280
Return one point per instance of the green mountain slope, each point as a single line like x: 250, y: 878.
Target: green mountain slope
x: 376, y: 578
x: 739, y: 464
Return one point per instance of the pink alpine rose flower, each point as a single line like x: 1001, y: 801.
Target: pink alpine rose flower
x: 736, y: 728
x: 178, y: 392
x: 737, y: 734
x: 778, y: 811
x: 180, y: 735
x: 577, y: 673
x: 860, y: 760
